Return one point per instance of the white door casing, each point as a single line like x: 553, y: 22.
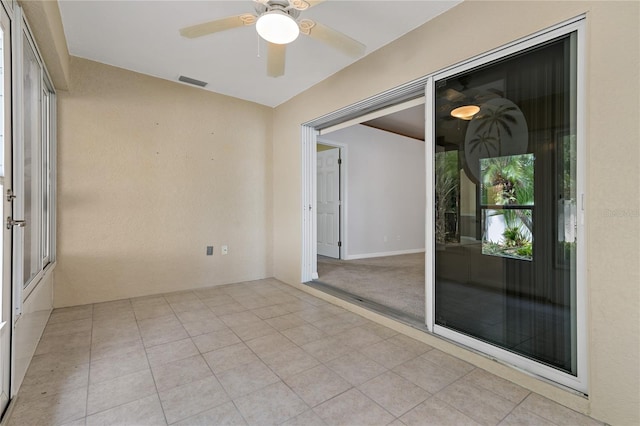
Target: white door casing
x: 328, y: 203
x: 5, y: 188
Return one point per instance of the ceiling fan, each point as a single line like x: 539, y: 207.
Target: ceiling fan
x: 278, y: 22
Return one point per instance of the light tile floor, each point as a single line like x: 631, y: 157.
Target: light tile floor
x: 257, y: 353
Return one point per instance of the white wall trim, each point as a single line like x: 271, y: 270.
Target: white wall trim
x: 382, y: 254
x: 309, y: 270
x: 429, y: 228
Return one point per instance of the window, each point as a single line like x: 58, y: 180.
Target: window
x: 33, y: 161
x: 32, y: 95
x: 505, y: 190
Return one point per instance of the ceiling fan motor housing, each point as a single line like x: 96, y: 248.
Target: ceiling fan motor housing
x: 280, y: 5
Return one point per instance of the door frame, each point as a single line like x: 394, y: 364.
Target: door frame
x: 6, y: 319
x: 25, y: 330
x: 343, y: 193
x: 422, y: 87
x: 579, y: 382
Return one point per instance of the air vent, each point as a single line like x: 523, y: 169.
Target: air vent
x: 193, y: 81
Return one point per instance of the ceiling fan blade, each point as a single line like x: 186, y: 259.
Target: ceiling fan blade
x: 275, y: 59
x: 218, y: 25
x: 305, y: 4
x: 333, y: 38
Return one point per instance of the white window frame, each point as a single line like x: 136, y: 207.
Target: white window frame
x: 20, y: 31
x: 418, y: 88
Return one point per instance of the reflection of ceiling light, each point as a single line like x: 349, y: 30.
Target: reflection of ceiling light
x: 277, y: 27
x: 465, y: 112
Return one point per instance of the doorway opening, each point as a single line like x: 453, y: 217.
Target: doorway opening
x: 370, y: 211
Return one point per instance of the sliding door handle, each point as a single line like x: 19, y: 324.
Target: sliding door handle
x: 19, y: 223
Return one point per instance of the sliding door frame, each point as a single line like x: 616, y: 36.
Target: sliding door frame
x: 6, y: 318
x: 25, y: 322
x: 578, y: 382
x: 419, y: 88
x: 21, y: 33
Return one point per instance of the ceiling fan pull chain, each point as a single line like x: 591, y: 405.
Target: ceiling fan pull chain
x: 258, y: 38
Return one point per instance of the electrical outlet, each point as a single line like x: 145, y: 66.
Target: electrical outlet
x: 225, y: 250
x: 209, y: 250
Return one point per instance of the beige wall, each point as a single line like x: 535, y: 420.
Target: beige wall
x: 612, y: 165
x: 150, y: 172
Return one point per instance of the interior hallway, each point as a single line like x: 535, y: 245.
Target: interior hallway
x: 255, y: 353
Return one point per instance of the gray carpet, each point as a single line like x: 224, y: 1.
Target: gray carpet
x: 396, y: 282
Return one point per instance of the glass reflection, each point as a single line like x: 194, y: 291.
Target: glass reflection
x: 505, y: 195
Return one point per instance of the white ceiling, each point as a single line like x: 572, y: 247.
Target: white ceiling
x: 143, y: 36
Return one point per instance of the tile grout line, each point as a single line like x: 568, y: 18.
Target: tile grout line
x: 208, y: 366
x: 153, y: 377
x: 325, y: 364
x: 536, y: 414
x: 280, y: 379
x: 214, y: 373
x: 495, y: 394
x: 86, y: 404
x: 387, y: 370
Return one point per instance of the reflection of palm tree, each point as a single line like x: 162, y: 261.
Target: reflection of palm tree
x: 514, y: 177
x: 496, y: 119
x: 447, y: 186
x: 515, y: 174
x: 483, y: 140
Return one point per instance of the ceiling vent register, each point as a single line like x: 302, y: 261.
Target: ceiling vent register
x: 193, y: 81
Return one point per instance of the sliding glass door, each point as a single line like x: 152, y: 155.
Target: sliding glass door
x: 33, y: 98
x: 504, y: 150
x: 27, y: 188
x: 5, y: 206
x: 506, y: 204
x: 32, y: 167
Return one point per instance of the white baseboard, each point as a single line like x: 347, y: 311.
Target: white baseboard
x: 7, y: 414
x: 382, y: 254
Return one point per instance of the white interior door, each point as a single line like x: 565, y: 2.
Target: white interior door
x: 5, y: 209
x: 328, y: 202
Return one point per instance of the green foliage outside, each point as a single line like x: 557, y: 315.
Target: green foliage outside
x: 447, y: 194
x: 509, y: 181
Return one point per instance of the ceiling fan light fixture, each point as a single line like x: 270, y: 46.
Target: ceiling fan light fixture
x: 277, y: 27
x: 465, y: 112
